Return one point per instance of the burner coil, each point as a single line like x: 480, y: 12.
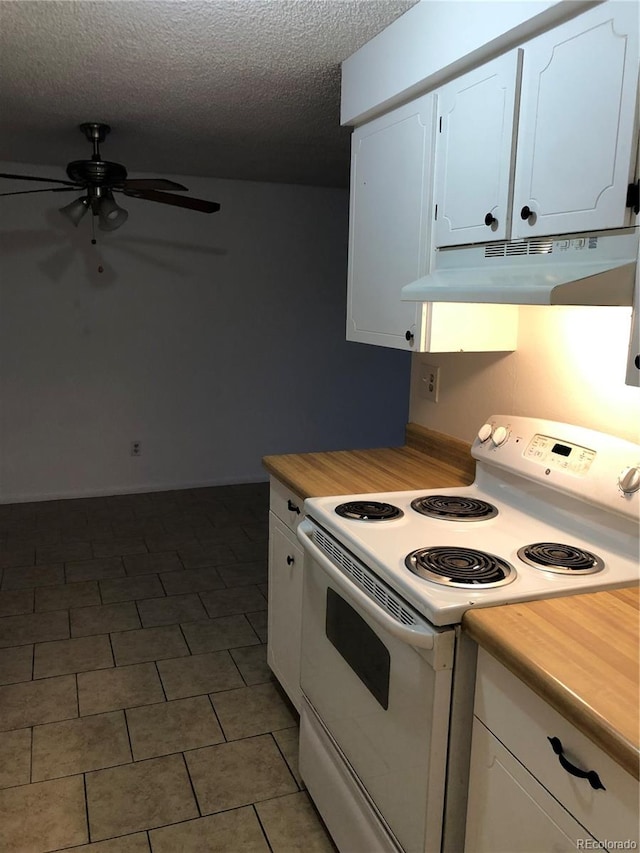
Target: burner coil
x: 454, y: 507
x: 460, y: 567
x: 560, y: 558
x: 368, y: 511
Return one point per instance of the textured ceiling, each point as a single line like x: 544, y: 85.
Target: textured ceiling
x: 246, y: 89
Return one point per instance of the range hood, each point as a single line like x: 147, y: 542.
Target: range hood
x: 578, y: 269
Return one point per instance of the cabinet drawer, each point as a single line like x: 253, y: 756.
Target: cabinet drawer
x: 508, y: 810
x: 523, y: 722
x: 285, y: 504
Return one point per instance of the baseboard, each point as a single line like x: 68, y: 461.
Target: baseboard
x: 129, y: 490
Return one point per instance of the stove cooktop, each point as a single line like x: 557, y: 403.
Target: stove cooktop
x: 384, y: 548
x: 551, y: 524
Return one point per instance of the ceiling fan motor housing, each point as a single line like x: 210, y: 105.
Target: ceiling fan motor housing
x: 100, y: 172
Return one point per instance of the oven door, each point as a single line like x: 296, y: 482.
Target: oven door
x: 380, y: 688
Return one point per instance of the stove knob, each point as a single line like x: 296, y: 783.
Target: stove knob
x: 484, y: 432
x: 499, y: 436
x: 629, y: 480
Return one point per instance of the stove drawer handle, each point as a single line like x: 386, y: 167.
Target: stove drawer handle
x: 590, y: 775
x: 420, y: 635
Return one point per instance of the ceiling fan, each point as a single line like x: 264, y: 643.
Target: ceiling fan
x: 99, y: 179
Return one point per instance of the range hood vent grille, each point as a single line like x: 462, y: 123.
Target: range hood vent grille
x: 572, y: 269
x: 518, y: 248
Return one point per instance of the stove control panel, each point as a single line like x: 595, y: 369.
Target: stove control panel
x: 560, y: 455
x: 590, y: 466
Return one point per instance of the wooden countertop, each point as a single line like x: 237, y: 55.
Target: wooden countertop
x: 581, y: 654
x: 428, y: 460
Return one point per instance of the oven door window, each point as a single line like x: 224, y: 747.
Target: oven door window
x: 360, y: 647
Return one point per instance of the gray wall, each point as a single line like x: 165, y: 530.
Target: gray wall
x: 213, y: 340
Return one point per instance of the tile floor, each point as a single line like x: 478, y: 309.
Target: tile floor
x: 137, y: 710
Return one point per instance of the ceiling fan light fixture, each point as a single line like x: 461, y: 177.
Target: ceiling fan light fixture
x: 99, y: 179
x: 76, y: 209
x: 110, y: 215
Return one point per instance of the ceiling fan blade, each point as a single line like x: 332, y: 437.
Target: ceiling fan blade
x: 151, y: 184
x: 46, y: 190
x: 198, y: 204
x: 33, y: 178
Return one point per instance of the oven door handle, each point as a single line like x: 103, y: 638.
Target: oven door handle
x: 421, y: 634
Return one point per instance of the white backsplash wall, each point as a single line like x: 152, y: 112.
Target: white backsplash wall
x: 212, y: 340
x: 569, y: 367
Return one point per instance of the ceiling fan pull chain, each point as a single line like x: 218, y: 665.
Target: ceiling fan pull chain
x: 94, y: 241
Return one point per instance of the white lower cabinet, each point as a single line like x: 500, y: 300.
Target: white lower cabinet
x: 509, y: 811
x: 522, y: 799
x: 285, y: 589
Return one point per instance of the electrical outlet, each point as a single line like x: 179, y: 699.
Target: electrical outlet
x: 429, y: 382
x: 136, y: 448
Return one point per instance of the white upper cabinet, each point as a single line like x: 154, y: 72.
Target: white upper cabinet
x: 390, y: 244
x: 577, y: 135
x: 389, y: 222
x: 542, y: 140
x: 476, y: 153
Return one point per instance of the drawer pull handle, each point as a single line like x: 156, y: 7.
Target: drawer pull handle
x: 290, y: 560
x: 590, y: 775
x: 292, y: 507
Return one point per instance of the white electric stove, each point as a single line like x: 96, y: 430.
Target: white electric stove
x: 554, y: 507
x: 386, y: 674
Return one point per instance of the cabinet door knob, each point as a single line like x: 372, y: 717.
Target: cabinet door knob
x: 290, y: 560
x: 590, y: 775
x: 489, y: 219
x: 408, y: 336
x: 525, y: 213
x: 292, y: 507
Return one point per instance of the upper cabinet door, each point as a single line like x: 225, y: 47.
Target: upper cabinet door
x: 475, y: 153
x: 391, y: 166
x: 577, y: 139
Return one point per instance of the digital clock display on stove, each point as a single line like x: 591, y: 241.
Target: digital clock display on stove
x: 562, y: 449
x: 559, y: 455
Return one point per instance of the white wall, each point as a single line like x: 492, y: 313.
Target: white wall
x: 213, y: 340
x: 569, y: 367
